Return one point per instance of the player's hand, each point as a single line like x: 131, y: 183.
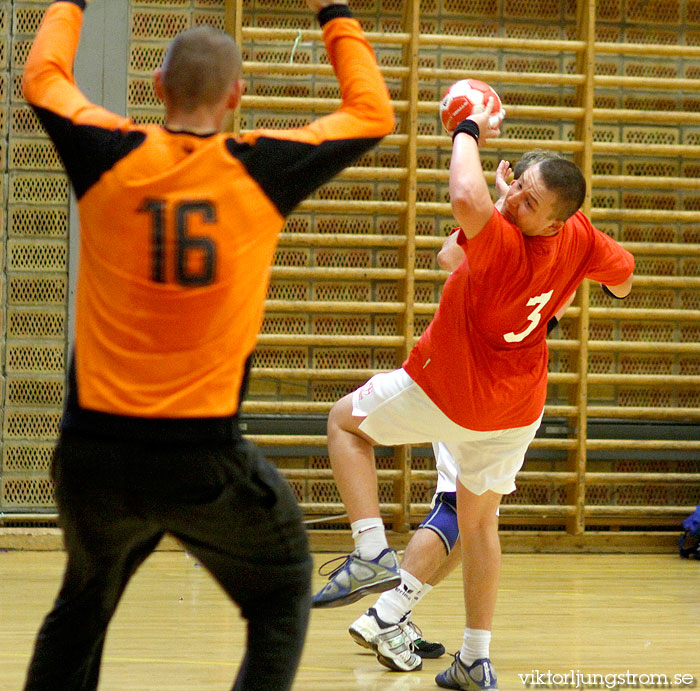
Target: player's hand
x: 318, y: 5
x: 489, y: 124
x: 503, y: 172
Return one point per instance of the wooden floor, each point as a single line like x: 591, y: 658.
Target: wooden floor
x: 593, y: 614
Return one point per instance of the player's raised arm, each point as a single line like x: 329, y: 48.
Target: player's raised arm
x: 470, y: 198
x: 365, y: 109
x: 307, y: 157
x: 63, y: 110
x: 48, y: 83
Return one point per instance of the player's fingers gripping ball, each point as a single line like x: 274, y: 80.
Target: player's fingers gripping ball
x: 469, y: 96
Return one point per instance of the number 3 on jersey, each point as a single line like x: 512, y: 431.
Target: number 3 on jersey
x: 205, y: 273
x: 534, y: 317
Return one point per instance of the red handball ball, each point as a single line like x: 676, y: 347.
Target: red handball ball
x: 465, y: 97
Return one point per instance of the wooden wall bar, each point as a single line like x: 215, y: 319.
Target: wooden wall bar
x: 613, y: 84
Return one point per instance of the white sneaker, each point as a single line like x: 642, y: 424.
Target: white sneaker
x: 388, y: 641
x: 365, y: 631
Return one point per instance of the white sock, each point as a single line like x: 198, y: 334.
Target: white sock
x: 420, y: 595
x: 369, y: 537
x: 394, y: 604
x: 475, y: 645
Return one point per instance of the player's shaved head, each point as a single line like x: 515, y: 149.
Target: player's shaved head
x: 199, y: 67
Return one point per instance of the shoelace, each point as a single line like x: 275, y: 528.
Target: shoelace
x: 455, y: 658
x: 460, y: 665
x: 343, y: 560
x: 412, y: 631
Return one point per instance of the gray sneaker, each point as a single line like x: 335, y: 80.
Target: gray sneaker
x: 354, y: 578
x: 477, y: 677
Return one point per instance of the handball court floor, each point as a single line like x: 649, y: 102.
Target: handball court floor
x: 557, y: 614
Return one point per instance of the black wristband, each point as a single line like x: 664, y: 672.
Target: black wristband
x: 552, y: 324
x: 609, y: 292
x: 332, y: 12
x: 80, y: 3
x: 468, y: 127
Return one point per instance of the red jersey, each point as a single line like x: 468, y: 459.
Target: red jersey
x: 178, y: 231
x: 483, y: 358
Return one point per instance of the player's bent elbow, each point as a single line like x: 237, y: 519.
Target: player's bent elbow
x: 622, y: 290
x: 442, y: 261
x: 387, y: 124
x: 35, y: 78
x: 28, y: 87
x: 449, y: 258
x: 381, y: 115
x: 388, y: 116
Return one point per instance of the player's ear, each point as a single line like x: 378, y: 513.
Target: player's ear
x: 158, y: 84
x: 234, y: 98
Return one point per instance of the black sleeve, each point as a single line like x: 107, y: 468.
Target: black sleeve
x: 87, y: 151
x: 290, y: 171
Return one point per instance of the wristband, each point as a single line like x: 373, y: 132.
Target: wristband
x: 468, y: 127
x: 552, y: 324
x: 609, y: 292
x: 332, y: 12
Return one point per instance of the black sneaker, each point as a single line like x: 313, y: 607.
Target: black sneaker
x: 426, y: 649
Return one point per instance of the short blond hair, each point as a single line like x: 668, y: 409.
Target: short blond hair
x: 199, y: 67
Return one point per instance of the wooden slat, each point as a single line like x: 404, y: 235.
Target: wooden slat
x: 346, y: 240
x: 286, y: 35
x: 335, y: 306
x: 336, y: 274
x: 657, y: 347
x: 642, y: 413
x: 320, y: 340
x: 642, y: 444
x: 645, y: 511
x: 655, y: 380
x: 642, y: 478
x: 636, y: 314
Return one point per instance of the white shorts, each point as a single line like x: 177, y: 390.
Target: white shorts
x: 397, y: 411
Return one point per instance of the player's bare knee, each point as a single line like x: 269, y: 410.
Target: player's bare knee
x: 340, y: 417
x: 341, y: 420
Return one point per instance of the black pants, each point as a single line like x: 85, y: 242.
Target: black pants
x: 227, y: 505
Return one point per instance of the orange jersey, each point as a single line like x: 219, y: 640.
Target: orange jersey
x: 178, y: 231
x: 483, y: 358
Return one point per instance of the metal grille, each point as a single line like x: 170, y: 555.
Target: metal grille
x: 5, y: 82
x: 36, y: 247
x: 337, y: 304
